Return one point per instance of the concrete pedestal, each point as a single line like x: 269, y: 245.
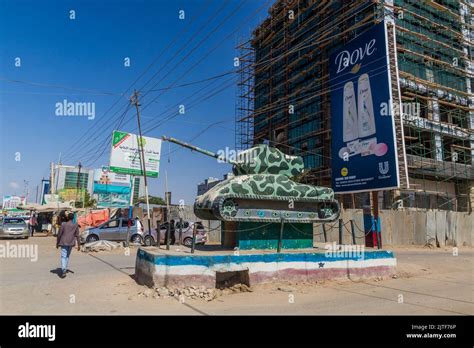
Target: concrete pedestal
x: 260, y: 235
x: 159, y: 267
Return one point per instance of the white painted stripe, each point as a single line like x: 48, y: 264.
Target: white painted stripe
x: 254, y: 267
x: 183, y: 270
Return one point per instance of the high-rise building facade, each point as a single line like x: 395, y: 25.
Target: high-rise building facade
x: 285, y: 91
x: 71, y: 182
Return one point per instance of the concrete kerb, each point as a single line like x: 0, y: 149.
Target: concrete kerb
x: 157, y: 268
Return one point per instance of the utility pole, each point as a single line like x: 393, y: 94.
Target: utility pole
x: 83, y: 198
x: 57, y: 180
x: 26, y: 191
x: 51, y: 185
x: 134, y: 100
x: 168, y: 202
x: 78, y: 180
x: 130, y: 207
x: 56, y: 188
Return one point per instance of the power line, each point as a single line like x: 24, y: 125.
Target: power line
x: 193, y: 83
x: 197, y: 100
x: 200, y: 100
x: 203, y: 98
x: 184, y: 58
x: 92, y: 92
x: 103, y: 145
x: 162, y: 52
x: 225, y: 38
x: 234, y: 11
x: 39, y: 84
x: 183, y: 46
x: 55, y: 94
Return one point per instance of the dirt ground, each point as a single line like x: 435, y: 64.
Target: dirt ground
x: 428, y: 281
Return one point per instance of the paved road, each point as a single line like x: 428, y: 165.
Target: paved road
x: 429, y: 282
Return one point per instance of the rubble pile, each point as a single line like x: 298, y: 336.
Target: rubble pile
x: 100, y: 245
x: 193, y: 292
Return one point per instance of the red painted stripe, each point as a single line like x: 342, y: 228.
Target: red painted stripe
x: 121, y: 141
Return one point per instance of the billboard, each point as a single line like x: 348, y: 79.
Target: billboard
x: 106, y: 181
x: 125, y: 159
x: 12, y: 202
x: 111, y: 189
x: 364, y: 152
x: 113, y: 200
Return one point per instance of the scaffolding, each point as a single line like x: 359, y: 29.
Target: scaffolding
x: 245, y: 97
x: 286, y: 77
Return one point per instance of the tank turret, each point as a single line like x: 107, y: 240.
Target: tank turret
x: 264, y: 189
x: 263, y: 159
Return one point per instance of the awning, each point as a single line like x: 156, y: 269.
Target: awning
x: 50, y: 207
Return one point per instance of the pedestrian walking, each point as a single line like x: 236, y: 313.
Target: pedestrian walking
x: 67, y: 237
x: 33, y: 222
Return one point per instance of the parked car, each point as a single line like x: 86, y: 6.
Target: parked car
x: 187, y: 233
x: 14, y: 228
x: 114, y: 230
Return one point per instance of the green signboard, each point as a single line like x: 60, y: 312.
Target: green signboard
x: 126, y: 152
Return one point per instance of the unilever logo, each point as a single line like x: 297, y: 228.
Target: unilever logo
x: 384, y: 167
x: 345, y: 58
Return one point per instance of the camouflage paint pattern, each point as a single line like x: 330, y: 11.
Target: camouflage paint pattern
x: 263, y: 190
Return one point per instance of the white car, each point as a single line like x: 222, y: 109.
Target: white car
x: 187, y: 233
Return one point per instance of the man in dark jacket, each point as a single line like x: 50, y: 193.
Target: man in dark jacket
x: 67, y: 237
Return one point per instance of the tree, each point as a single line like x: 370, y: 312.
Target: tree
x: 152, y: 200
x: 88, y: 202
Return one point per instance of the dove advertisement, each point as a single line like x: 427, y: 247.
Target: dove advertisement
x: 364, y: 152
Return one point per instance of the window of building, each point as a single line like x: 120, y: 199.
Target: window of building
x: 75, y: 179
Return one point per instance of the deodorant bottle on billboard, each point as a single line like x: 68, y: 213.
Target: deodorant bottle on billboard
x: 365, y: 107
x: 350, y: 130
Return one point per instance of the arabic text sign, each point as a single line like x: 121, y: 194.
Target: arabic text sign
x: 125, y: 157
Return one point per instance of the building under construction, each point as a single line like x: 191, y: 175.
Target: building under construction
x: 284, y: 92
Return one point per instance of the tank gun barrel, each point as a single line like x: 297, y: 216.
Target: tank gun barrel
x: 197, y: 149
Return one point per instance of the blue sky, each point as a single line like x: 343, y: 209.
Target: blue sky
x: 87, y: 54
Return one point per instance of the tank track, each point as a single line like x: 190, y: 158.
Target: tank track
x: 234, y: 207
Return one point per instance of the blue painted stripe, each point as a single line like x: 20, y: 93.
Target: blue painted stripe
x: 198, y: 260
